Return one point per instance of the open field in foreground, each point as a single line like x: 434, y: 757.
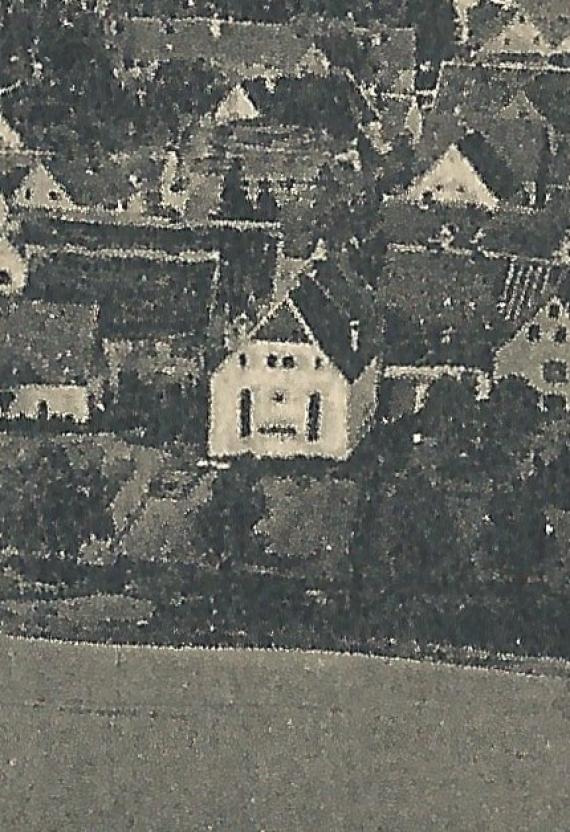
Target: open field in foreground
x: 98, y: 739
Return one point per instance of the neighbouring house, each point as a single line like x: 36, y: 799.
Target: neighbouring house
x: 303, y: 381
x: 521, y: 38
x: 539, y: 352
x: 468, y: 173
x: 48, y: 360
x: 13, y: 269
x: 505, y: 125
x: 40, y: 190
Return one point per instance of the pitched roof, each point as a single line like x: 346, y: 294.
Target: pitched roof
x: 529, y: 284
x: 328, y: 302
x: 530, y: 234
x: 509, y: 351
x: 489, y: 20
x: 551, y: 16
x: 110, y: 179
x: 242, y: 49
x: 493, y: 169
x: 282, y: 324
x: 380, y: 56
x: 486, y: 21
x: 476, y: 93
x: 236, y: 106
x: 13, y: 267
x: 48, y: 343
x: 441, y: 305
x: 333, y: 102
x: 324, y: 307
x: 479, y: 94
x: 250, y: 49
x: 521, y: 107
x: 519, y: 145
x: 266, y: 151
x: 313, y: 62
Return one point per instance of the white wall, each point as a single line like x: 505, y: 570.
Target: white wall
x: 62, y: 401
x: 297, y: 384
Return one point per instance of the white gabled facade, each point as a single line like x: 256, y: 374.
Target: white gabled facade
x: 287, y: 398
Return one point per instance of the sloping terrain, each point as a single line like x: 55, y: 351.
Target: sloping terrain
x: 113, y: 738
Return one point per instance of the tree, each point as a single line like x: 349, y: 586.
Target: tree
x: 235, y: 202
x: 225, y: 524
x: 49, y: 506
x: 267, y: 208
x: 48, y: 46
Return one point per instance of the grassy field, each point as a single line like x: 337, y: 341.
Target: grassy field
x: 158, y: 740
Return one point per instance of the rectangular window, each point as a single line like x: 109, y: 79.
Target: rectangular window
x: 560, y: 335
x: 288, y: 362
x: 554, y: 310
x: 555, y: 372
x: 242, y: 359
x: 245, y: 413
x: 534, y: 333
x: 272, y: 361
x: 314, y: 417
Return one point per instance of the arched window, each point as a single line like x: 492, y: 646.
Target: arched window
x: 314, y: 417
x: 245, y: 413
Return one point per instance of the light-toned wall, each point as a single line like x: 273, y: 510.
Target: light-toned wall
x: 16, y: 266
x: 297, y: 384
x: 362, y: 402
x: 62, y: 401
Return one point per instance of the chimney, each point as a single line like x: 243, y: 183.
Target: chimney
x: 355, y: 335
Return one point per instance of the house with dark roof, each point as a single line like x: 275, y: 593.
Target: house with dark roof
x: 477, y: 168
x: 509, y: 119
x: 49, y: 359
x: 303, y: 380
x: 441, y: 305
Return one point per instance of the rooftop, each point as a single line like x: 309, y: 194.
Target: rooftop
x: 47, y: 343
